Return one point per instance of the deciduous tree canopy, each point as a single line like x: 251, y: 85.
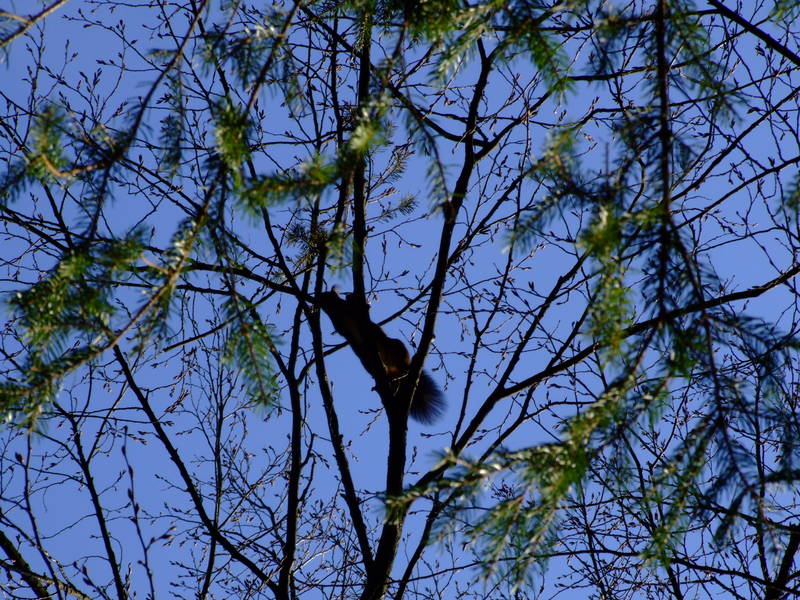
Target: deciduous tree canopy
x: 243, y: 243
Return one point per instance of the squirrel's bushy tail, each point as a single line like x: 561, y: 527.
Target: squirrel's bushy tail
x: 428, y: 403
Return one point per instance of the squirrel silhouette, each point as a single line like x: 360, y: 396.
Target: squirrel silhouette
x: 381, y: 355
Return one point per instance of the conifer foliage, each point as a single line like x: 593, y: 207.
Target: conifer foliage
x: 576, y: 221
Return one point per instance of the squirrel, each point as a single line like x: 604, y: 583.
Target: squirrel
x: 381, y: 355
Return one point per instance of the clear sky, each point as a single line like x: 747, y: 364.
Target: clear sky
x: 79, y: 68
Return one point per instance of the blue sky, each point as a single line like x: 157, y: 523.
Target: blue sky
x: 403, y: 248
